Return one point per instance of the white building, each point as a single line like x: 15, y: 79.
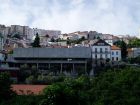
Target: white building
x: 115, y: 53
x: 101, y: 50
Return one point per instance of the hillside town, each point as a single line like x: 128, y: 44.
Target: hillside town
x: 71, y: 54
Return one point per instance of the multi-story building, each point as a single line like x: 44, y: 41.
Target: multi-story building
x: 115, y: 53
x: 27, y: 32
x: 101, y: 50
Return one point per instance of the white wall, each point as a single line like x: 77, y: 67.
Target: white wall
x: 115, y: 54
x: 105, y: 52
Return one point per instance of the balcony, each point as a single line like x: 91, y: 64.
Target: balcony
x: 101, y: 52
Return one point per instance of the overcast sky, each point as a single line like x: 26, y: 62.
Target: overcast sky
x: 107, y: 16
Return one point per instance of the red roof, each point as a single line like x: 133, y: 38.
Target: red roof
x: 28, y: 89
x: 115, y: 48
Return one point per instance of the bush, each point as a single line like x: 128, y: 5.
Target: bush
x: 5, y: 89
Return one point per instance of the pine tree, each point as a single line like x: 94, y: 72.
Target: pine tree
x: 36, y: 42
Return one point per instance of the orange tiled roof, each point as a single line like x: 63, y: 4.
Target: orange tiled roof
x: 115, y: 48
x: 28, y: 89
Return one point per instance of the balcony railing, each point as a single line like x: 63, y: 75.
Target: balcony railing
x: 101, y: 52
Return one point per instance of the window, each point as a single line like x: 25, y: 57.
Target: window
x: 96, y: 56
x: 112, y: 53
x: 117, y: 58
x: 106, y: 49
x: 95, y: 49
x: 101, y: 56
x: 116, y: 52
x: 100, y: 44
x: 112, y: 58
x: 101, y: 50
x: 105, y: 55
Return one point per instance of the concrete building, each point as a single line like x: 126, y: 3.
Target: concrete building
x: 115, y: 53
x: 57, y: 60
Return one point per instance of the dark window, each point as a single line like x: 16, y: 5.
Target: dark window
x: 112, y: 58
x: 101, y: 50
x: 101, y: 56
x: 117, y: 58
x: 95, y: 49
x: 96, y: 56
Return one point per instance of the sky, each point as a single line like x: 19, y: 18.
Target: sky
x: 119, y: 17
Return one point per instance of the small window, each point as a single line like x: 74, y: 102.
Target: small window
x: 96, y: 56
x: 95, y: 49
x: 101, y: 56
x: 100, y: 44
x: 112, y: 53
x: 105, y: 55
x: 117, y: 53
x: 112, y: 58
x: 101, y: 50
x: 117, y: 58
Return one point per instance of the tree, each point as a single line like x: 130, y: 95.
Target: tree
x: 5, y: 89
x: 134, y: 43
x: 36, y: 42
x: 123, y: 47
x: 52, y: 39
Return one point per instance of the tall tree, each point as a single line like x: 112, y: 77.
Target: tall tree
x: 5, y: 89
x: 123, y: 47
x: 36, y: 42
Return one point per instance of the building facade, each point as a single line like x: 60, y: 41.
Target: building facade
x: 115, y: 53
x: 57, y: 60
x: 101, y: 50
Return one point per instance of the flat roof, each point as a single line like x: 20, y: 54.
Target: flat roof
x: 79, y: 52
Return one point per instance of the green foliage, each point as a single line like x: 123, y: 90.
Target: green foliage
x: 134, y: 43
x: 120, y: 87
x: 45, y: 80
x: 123, y: 47
x: 134, y: 60
x: 36, y: 42
x: 113, y: 87
x: 23, y: 100
x: 5, y: 89
x: 70, y: 92
x: 52, y: 39
x: 117, y: 88
x: 78, y: 41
